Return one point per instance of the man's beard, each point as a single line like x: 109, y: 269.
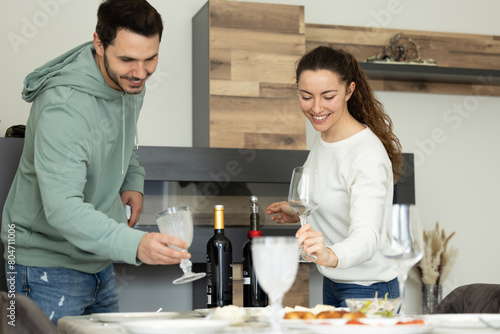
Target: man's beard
x: 112, y: 75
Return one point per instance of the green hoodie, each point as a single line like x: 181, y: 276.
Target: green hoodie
x: 78, y: 156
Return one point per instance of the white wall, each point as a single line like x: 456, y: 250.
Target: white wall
x: 456, y: 172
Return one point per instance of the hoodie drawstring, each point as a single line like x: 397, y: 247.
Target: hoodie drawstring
x: 123, y: 133
x: 136, y: 136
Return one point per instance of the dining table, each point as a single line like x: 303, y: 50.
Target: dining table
x: 197, y: 322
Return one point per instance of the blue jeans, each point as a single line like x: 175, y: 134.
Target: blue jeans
x: 336, y: 293
x: 61, y: 292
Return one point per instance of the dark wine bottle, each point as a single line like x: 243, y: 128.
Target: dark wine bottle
x: 253, y: 295
x: 219, y: 264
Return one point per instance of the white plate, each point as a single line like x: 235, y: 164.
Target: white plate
x: 133, y: 316
x: 251, y: 311
x: 370, y: 325
x: 463, y: 320
x: 175, y: 326
x: 204, y: 311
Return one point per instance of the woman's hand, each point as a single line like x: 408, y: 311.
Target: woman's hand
x: 282, y: 213
x: 314, y: 244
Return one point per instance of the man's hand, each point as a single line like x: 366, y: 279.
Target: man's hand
x: 134, y: 200
x: 154, y: 249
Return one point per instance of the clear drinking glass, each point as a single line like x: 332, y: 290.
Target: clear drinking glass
x: 276, y: 261
x: 405, y: 247
x: 303, y: 198
x: 178, y: 222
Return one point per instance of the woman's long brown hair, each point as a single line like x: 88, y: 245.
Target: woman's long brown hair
x: 362, y: 105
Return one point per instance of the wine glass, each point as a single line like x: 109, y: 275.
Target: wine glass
x: 303, y: 198
x: 405, y: 247
x: 178, y: 222
x: 276, y: 263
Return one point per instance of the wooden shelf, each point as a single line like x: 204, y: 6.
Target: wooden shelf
x: 423, y: 73
x: 467, y: 64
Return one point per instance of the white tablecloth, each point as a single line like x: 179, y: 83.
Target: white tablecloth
x: 86, y: 325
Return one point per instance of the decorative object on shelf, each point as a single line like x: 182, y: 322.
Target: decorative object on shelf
x: 435, y: 266
x: 400, y: 54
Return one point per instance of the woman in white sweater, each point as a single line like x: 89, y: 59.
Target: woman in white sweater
x: 358, y: 159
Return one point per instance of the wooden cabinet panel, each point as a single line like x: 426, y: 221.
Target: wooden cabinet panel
x: 273, y: 123
x: 220, y: 64
x: 256, y: 16
x: 263, y: 67
x: 257, y: 41
x: 232, y: 88
x: 249, y: 64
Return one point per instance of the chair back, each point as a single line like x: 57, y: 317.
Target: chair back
x: 472, y: 298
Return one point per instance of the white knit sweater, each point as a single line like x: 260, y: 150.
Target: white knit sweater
x: 356, y: 187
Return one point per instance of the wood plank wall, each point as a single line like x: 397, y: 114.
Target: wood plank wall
x: 447, y: 49
x: 253, y: 50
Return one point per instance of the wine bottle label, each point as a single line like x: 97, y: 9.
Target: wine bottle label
x: 226, y: 278
x: 246, y: 280
x: 209, y: 275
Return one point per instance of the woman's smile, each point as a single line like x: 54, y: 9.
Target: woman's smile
x: 320, y: 118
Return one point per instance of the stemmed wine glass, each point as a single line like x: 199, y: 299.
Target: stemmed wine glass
x: 303, y: 198
x: 276, y: 263
x: 405, y: 247
x: 178, y: 222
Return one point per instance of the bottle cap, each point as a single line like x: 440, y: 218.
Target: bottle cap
x: 219, y: 217
x: 254, y: 200
x: 254, y: 234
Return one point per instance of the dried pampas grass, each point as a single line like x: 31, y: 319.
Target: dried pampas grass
x: 438, y: 259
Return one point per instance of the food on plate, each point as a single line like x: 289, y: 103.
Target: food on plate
x: 340, y: 314
x: 337, y: 314
x: 383, y: 307
x: 331, y: 314
x: 354, y: 322
x: 353, y: 315
x: 315, y: 310
x: 411, y: 322
x: 299, y: 315
x: 322, y: 308
x: 232, y: 313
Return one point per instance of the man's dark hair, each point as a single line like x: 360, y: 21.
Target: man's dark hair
x: 137, y: 16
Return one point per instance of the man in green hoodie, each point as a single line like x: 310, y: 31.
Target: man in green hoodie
x: 78, y: 169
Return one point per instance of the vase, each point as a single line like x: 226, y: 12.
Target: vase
x: 432, y: 294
